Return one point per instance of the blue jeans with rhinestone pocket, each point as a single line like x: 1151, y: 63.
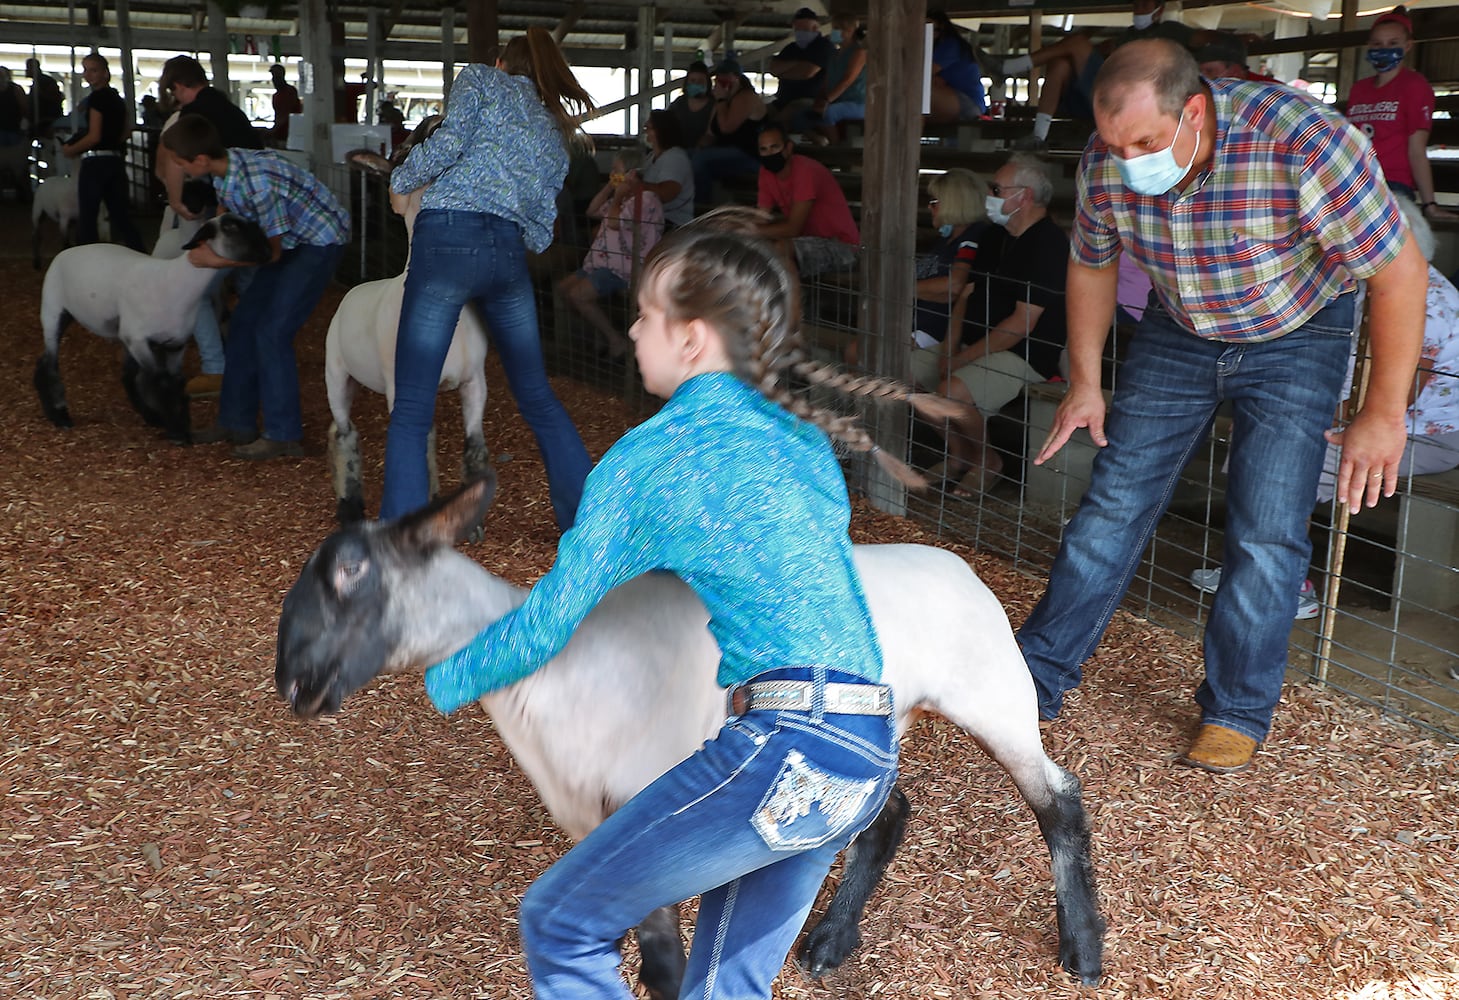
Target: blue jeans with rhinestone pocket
x: 750, y: 823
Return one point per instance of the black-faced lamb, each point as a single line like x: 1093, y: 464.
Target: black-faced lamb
x: 359, y: 349
x: 147, y: 303
x: 633, y: 693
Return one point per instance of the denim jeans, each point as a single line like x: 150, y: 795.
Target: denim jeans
x: 102, y: 180
x: 750, y: 823
x: 262, y: 371
x: 1283, y: 395
x: 206, y: 332
x: 456, y: 258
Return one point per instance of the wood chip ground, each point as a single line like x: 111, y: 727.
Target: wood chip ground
x: 168, y: 829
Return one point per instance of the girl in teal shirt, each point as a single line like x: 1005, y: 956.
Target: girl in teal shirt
x: 734, y: 487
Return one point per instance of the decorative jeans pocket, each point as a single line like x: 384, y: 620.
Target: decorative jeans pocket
x: 807, y: 807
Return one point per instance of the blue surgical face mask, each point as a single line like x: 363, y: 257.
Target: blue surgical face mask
x: 1385, y: 59
x: 804, y: 38
x: 1142, y: 21
x: 836, y: 37
x: 945, y: 230
x: 695, y: 89
x: 1158, y: 172
x: 994, y: 208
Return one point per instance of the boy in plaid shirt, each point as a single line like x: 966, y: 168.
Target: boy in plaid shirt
x: 308, y: 228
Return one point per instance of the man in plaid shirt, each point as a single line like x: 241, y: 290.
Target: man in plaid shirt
x: 307, y: 227
x: 1253, y: 209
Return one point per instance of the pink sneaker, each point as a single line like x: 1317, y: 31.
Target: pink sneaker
x: 1307, y: 604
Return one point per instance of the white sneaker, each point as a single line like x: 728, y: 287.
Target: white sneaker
x: 1307, y: 605
x: 1207, y: 580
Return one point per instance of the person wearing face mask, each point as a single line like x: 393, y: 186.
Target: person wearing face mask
x: 843, y: 97
x: 694, y: 106
x: 1394, y: 108
x: 949, y: 275
x: 800, y: 67
x: 1070, y: 66
x: 730, y: 149
x: 1015, y: 335
x: 815, y: 220
x: 1253, y: 257
x: 957, y: 80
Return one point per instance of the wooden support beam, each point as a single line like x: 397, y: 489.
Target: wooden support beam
x: 564, y: 25
x: 218, y: 46
x: 889, y: 216
x: 483, y: 31
x: 316, y: 81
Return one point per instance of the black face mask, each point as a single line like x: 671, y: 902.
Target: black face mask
x: 774, y: 163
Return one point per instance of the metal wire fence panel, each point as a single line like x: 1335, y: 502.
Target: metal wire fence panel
x: 1390, y: 638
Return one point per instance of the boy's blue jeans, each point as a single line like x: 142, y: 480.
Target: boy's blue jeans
x: 456, y: 258
x: 262, y: 371
x: 1284, y: 394
x: 750, y: 823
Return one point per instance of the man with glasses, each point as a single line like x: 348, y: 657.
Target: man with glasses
x: 1254, y: 209
x: 1016, y: 335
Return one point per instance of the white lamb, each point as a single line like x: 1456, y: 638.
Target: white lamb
x: 147, y: 303
x: 360, y: 350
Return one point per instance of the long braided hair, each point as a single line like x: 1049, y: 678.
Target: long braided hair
x: 718, y: 270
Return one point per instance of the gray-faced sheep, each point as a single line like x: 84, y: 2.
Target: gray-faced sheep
x: 147, y: 303
x: 360, y: 350
x: 633, y: 693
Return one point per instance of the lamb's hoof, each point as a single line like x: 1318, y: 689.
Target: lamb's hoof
x: 61, y: 418
x: 476, y: 534
x: 1082, y: 954
x: 350, y: 510
x: 826, y: 947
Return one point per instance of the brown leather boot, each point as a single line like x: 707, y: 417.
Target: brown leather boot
x: 1219, y: 749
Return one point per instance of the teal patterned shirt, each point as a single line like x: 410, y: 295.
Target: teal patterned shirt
x: 744, y: 502
x: 499, y: 151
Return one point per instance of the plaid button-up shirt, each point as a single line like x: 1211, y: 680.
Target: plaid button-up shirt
x: 1291, y: 208
x: 283, y: 198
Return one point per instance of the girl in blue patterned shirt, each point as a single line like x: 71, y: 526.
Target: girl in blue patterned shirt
x: 494, y: 166
x: 734, y: 487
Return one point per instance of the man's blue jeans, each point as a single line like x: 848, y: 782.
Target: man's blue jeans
x: 456, y: 258
x: 1283, y: 395
x: 262, y: 371
x: 751, y: 823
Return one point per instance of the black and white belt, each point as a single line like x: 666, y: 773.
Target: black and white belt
x: 798, y: 696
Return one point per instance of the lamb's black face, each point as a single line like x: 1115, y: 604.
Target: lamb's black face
x: 235, y: 238
x: 333, y: 633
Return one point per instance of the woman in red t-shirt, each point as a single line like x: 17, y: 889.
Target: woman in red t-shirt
x: 1395, y: 108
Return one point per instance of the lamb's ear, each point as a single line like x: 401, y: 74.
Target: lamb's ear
x: 450, y: 519
x: 205, y: 232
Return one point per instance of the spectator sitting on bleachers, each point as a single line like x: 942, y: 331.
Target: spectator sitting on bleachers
x: 955, y: 199
x: 630, y: 213
x: 668, y: 173
x: 1070, y: 66
x: 1224, y: 56
x: 815, y: 218
x: 1433, y: 414
x: 957, y: 80
x: 1023, y: 325
x: 693, y: 107
x: 1394, y: 108
x: 957, y: 205
x: 800, y: 67
x: 730, y: 149
x: 843, y: 98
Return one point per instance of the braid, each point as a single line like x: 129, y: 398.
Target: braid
x: 736, y: 281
